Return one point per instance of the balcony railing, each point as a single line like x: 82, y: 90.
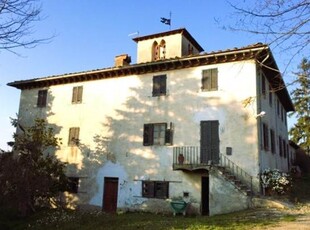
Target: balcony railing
x: 189, y: 158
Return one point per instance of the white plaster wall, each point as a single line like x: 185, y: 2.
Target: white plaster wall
x: 275, y: 122
x: 111, y: 118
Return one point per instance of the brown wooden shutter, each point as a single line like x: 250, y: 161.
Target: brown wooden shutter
x: 80, y: 94
x: 214, y: 79
x: 74, y: 134
x: 42, y: 97
x: 169, y: 135
x: 148, y: 132
x: 159, y: 85
x: 161, y: 189
x: 148, y: 189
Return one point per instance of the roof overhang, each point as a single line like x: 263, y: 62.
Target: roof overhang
x: 258, y: 52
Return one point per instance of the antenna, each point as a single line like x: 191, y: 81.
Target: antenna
x: 133, y: 34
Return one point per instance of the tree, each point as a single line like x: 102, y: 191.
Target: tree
x: 31, y: 175
x: 300, y: 133
x: 16, y: 19
x: 283, y: 23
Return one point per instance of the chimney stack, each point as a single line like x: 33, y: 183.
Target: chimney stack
x: 122, y: 60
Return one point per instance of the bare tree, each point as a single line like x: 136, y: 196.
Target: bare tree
x: 284, y: 24
x: 16, y: 19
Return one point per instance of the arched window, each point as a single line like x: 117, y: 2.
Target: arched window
x: 162, y: 49
x: 155, y: 51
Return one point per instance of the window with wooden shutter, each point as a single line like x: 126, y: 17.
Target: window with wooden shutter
x: 159, y: 85
x: 148, y: 134
x: 77, y: 94
x: 157, y: 134
x: 272, y: 141
x: 169, y: 135
x: 209, y: 80
x: 42, y: 97
x: 148, y: 189
x: 263, y: 85
x: 73, y: 184
x: 265, y: 136
x: 280, y: 146
x: 74, y: 134
x: 155, y: 189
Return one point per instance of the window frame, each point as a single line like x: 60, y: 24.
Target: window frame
x: 150, y: 138
x: 73, y: 184
x: 209, y: 80
x: 42, y: 98
x: 155, y: 189
x: 265, y: 137
x: 77, y: 94
x: 159, y: 85
x: 272, y: 141
x: 74, y: 135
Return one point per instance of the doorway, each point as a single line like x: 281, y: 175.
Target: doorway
x: 205, y: 195
x: 109, y: 201
x: 209, y: 142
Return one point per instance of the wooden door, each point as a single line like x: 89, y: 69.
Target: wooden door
x: 209, y: 141
x: 110, y: 194
x: 205, y: 195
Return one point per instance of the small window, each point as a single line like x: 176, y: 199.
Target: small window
x: 77, y: 94
x: 210, y: 80
x: 280, y: 146
x: 284, y: 148
x: 155, y: 51
x: 265, y: 137
x: 159, y: 85
x: 263, y: 86
x: 157, y: 134
x: 272, y: 141
x: 42, y: 97
x: 155, y: 189
x: 74, y: 134
x: 270, y: 95
x: 73, y: 184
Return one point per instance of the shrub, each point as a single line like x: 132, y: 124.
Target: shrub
x: 279, y: 182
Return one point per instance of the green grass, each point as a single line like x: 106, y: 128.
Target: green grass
x: 60, y: 219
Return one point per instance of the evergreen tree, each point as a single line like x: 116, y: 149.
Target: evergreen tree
x: 31, y: 175
x: 300, y: 133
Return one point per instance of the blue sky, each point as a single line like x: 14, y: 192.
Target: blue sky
x: 90, y: 33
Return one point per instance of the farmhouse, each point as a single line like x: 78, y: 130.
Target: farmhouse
x: 179, y: 124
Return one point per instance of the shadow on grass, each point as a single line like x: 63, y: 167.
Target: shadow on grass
x: 64, y: 219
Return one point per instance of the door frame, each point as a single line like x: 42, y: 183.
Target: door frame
x: 110, y: 194
x: 205, y: 194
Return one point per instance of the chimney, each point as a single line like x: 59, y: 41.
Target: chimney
x: 122, y: 60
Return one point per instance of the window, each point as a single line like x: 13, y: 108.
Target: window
x: 42, y: 96
x: 162, y: 49
x: 74, y: 134
x: 73, y: 184
x: 265, y: 137
x: 280, y: 146
x: 159, y: 85
x: 263, y: 85
x: 157, y: 134
x: 272, y: 143
x: 155, y: 51
x: 284, y: 148
x: 270, y: 95
x: 209, y: 80
x: 77, y: 94
x: 155, y: 189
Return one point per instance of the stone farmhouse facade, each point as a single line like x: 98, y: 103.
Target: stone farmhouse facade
x: 180, y: 123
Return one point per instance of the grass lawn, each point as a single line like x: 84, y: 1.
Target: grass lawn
x: 60, y: 219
